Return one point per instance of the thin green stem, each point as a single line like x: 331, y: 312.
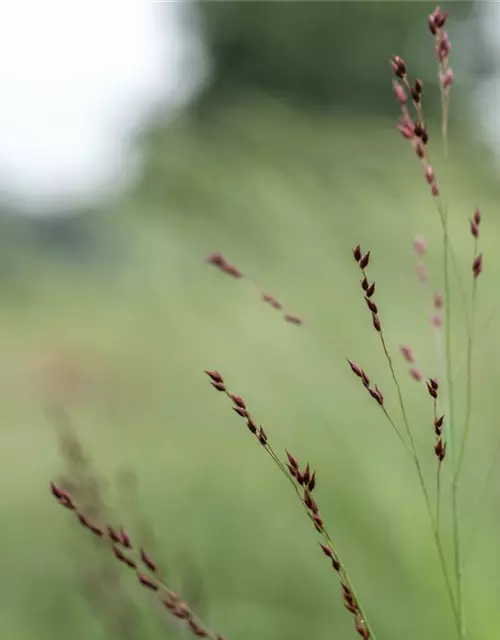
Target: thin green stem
x: 443, y: 211
x: 324, y: 532
x: 438, y: 495
x: 468, y: 399
x: 326, y: 537
x: 435, y: 531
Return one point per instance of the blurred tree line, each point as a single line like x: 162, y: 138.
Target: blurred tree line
x: 317, y: 53
x: 271, y: 62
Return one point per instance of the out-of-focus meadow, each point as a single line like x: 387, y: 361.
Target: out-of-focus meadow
x: 114, y: 313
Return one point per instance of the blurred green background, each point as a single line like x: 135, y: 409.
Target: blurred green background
x: 285, y: 160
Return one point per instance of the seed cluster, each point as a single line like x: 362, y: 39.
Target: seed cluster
x: 304, y: 482
x: 477, y: 263
x: 409, y: 356
x: 363, y: 261
x: 122, y: 549
x: 440, y: 445
x: 416, y: 130
x: 219, y: 261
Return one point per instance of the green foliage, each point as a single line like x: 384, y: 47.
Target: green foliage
x: 314, y: 53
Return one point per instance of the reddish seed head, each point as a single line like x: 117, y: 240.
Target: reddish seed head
x: 148, y: 562
x: 84, y: 520
x: 293, y: 319
x: 113, y: 535
x: 444, y: 47
x: 119, y: 555
x: 440, y: 450
x: 438, y: 422
x: 416, y: 374
x: 399, y: 92
x: 371, y: 305
x: 197, y: 630
x: 306, y: 474
x: 123, y: 558
x: 435, y: 190
x: 182, y: 612
x: 434, y: 383
x: 474, y: 229
x: 292, y: 460
x: 432, y: 25
x: 429, y: 174
x: 251, y: 425
x: 406, y: 131
x: 125, y: 539
x: 407, y: 354
x: 231, y: 270
x: 215, y: 376
x: 238, y: 401
x: 477, y: 265
x: 262, y: 437
x: 357, y: 253
x: 364, y: 284
x: 56, y: 492
x: 363, y: 263
x: 217, y: 259
x: 447, y: 78
x: 355, y: 369
x: 241, y: 412
x: 97, y: 531
x: 147, y: 582
x: 308, y: 501
x: 219, y: 386
x: 365, y: 378
x: 312, y: 482
x: 66, y: 502
x: 438, y: 300
x: 326, y: 550
x: 420, y: 245
x: 272, y: 301
x: 477, y: 216
x: 371, y: 290
x: 419, y: 149
x: 376, y: 322
x: 437, y: 321
x: 398, y: 66
x: 318, y: 522
x: 376, y: 395
x: 432, y: 392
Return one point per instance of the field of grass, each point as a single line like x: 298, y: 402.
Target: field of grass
x: 285, y: 197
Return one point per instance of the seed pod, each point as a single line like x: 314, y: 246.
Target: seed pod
x: 146, y: 559
x: 371, y: 290
x: 355, y: 369
x: 147, y: 582
x: 371, y: 305
x: 215, y: 376
x: 363, y: 263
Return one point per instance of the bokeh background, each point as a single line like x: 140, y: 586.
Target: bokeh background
x: 135, y: 139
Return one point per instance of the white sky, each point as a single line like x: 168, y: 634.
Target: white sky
x: 76, y: 78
